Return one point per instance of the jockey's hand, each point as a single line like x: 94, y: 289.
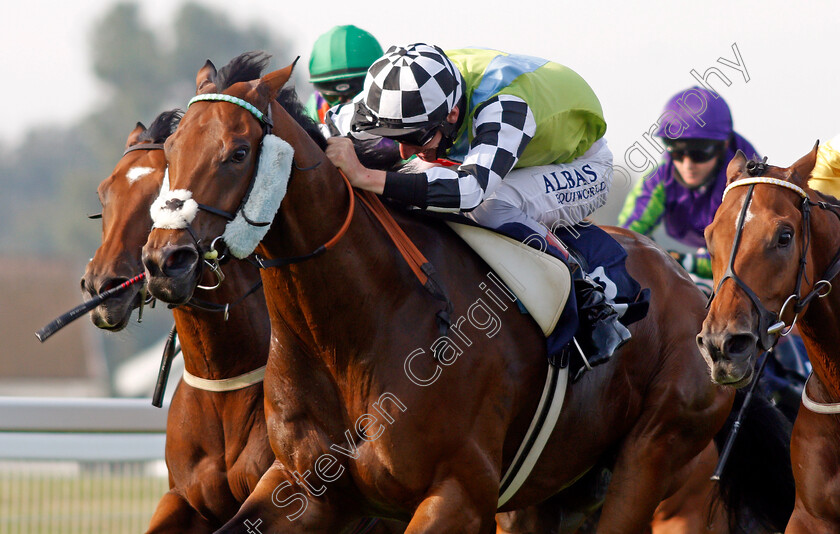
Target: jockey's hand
x: 342, y: 153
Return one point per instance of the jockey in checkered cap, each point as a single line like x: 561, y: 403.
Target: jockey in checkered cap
x: 522, y: 139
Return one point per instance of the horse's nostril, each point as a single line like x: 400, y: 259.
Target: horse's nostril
x: 110, y: 284
x: 738, y: 344
x: 179, y: 261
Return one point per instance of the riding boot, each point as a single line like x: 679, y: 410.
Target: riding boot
x: 601, y: 333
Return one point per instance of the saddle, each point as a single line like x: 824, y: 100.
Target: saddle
x: 540, y: 281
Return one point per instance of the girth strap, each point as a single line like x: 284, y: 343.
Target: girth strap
x: 542, y: 425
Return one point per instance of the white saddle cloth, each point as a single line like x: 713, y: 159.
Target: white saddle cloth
x: 540, y: 281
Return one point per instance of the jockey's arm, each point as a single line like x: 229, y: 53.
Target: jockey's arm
x: 503, y: 127
x: 644, y: 207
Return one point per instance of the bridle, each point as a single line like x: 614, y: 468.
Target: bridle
x: 267, y: 125
x: 421, y: 267
x: 210, y: 259
x: 771, y: 325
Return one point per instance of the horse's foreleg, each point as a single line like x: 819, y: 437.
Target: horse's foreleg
x: 279, y: 504
x: 451, y: 508
x: 802, y: 522
x: 816, y: 469
x: 644, y: 472
x: 175, y: 515
x: 692, y: 508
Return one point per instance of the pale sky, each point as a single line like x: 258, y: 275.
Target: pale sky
x: 634, y: 55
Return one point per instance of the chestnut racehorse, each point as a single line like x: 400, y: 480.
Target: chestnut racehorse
x: 363, y: 420
x: 216, y: 442
x: 775, y: 246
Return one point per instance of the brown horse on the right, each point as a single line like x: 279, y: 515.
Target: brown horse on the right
x: 775, y: 246
x: 346, y: 319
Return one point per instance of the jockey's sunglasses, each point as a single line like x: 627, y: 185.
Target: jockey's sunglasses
x: 697, y: 153
x: 418, y: 137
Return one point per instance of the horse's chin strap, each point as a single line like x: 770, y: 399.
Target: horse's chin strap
x: 221, y: 308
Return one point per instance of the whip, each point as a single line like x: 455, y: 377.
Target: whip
x: 67, y: 318
x: 736, y: 426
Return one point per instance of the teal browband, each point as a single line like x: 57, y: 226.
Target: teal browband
x: 262, y: 117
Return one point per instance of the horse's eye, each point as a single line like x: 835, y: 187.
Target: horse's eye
x: 239, y: 154
x: 785, y: 238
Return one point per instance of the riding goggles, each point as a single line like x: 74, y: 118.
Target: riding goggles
x: 418, y: 137
x: 697, y: 153
x: 339, y: 92
x: 364, y: 120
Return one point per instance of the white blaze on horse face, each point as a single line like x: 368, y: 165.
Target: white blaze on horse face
x: 135, y: 173
x: 748, y: 216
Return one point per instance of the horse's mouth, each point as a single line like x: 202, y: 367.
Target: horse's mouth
x: 171, y: 290
x: 728, y: 377
x: 115, y: 313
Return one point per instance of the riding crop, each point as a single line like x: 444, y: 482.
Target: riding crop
x: 736, y: 426
x: 67, y: 318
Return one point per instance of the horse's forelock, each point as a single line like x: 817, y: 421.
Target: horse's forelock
x: 162, y: 127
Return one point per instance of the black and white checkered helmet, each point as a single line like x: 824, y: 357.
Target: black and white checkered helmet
x: 407, y: 89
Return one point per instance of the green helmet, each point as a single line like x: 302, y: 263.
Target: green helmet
x: 341, y: 53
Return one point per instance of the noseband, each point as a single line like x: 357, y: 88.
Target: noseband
x: 770, y: 324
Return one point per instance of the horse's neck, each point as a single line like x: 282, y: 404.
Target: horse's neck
x: 356, y: 278
x: 818, y: 325
x: 216, y: 348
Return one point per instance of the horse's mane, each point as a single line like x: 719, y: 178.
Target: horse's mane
x: 162, y: 127
x: 289, y: 100
x: 243, y: 68
x: 757, y: 167
x: 249, y: 66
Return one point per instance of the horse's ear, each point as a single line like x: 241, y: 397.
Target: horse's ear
x: 204, y: 79
x: 274, y: 81
x: 135, y: 134
x: 800, y: 172
x: 737, y: 167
